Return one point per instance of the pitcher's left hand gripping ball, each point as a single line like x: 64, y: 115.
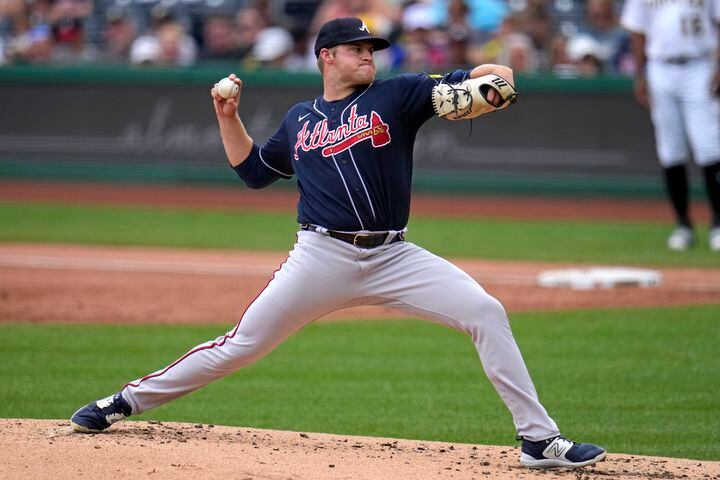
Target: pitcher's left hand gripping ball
x: 472, y: 98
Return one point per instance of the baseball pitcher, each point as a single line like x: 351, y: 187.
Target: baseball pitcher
x: 351, y: 150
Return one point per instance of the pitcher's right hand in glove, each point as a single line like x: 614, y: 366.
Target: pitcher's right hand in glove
x: 472, y: 97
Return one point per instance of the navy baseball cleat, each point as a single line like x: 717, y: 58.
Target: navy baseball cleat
x: 559, y: 452
x: 97, y: 416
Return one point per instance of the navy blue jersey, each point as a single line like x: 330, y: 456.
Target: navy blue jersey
x: 352, y: 157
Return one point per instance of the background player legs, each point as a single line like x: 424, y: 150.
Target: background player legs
x: 672, y: 145
x: 304, y: 288
x: 678, y: 190
x: 433, y: 288
x: 702, y: 117
x: 712, y: 185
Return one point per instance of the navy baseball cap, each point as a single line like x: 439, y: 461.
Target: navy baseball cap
x: 346, y: 30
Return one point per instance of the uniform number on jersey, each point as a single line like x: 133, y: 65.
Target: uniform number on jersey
x: 691, y: 25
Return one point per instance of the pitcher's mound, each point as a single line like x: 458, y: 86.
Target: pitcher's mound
x: 36, y: 449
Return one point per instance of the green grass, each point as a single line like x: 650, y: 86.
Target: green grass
x: 632, y: 243
x: 641, y: 381
x: 162, y: 227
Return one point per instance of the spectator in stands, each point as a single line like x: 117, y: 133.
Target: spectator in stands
x: 540, y: 29
x: 512, y: 47
x: 612, y: 41
x: 586, y: 55
x: 559, y: 61
x: 176, y: 46
x: 483, y: 16
x: 166, y: 45
x: 380, y: 16
x: 220, y: 40
x: 120, y: 32
x: 273, y: 48
x: 432, y: 35
x: 424, y: 46
x: 149, y: 19
x: 249, y: 22
x: 9, y: 11
x: 14, y: 23
x: 459, y: 32
x: 265, y: 10
x: 68, y: 22
x: 66, y: 15
x: 28, y: 37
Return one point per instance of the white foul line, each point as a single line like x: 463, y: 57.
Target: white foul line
x: 130, y: 265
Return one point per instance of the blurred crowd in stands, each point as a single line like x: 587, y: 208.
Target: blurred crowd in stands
x: 564, y: 37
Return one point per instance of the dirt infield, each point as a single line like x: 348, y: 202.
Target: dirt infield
x: 48, y: 449
x: 92, y: 284
x: 64, y: 283
x: 69, y: 283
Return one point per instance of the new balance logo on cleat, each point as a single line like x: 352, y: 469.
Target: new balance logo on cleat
x: 559, y: 452
x: 557, y: 448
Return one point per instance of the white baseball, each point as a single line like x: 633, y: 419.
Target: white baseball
x: 226, y: 88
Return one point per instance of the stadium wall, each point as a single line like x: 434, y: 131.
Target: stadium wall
x: 564, y: 136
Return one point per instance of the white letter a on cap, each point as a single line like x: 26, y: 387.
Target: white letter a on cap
x: 364, y: 27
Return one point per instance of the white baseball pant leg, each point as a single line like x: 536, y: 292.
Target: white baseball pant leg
x: 313, y: 281
x: 667, y: 115
x: 322, y: 275
x: 684, y: 112
x: 701, y: 110
x: 415, y: 281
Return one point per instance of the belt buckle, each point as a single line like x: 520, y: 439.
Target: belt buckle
x: 360, y: 235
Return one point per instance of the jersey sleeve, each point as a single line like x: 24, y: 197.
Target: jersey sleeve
x: 268, y: 163
x: 415, y: 92
x: 634, y: 17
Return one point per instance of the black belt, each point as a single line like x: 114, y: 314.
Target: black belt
x: 682, y: 60
x: 362, y: 240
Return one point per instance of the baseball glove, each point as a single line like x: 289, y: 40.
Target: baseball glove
x: 468, y: 99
